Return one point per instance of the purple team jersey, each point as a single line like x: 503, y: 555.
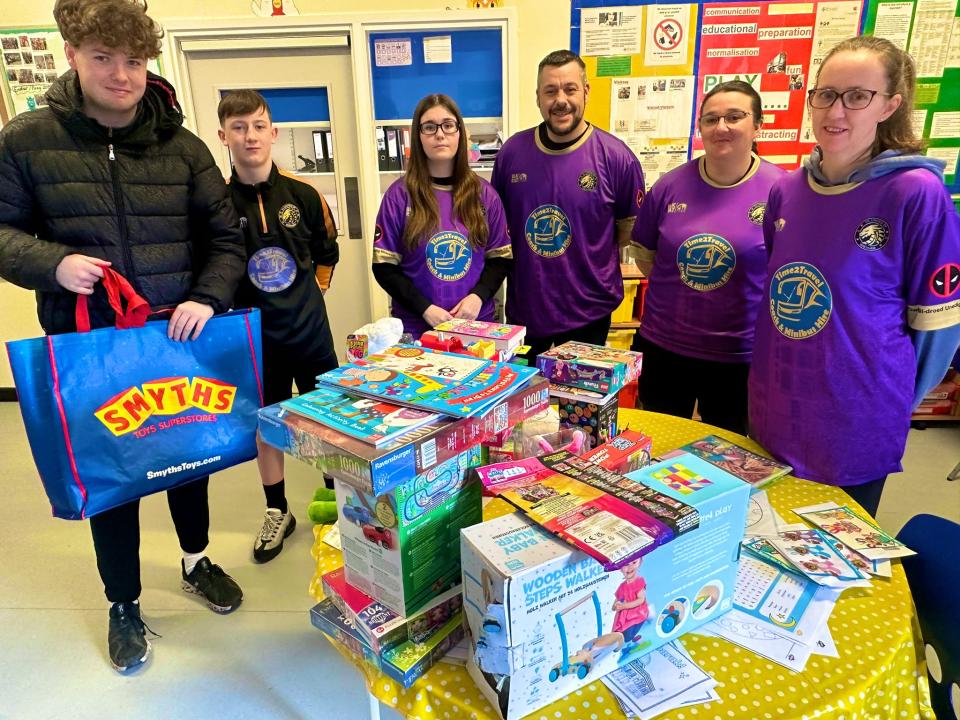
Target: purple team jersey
x: 446, y: 267
x: 853, y: 269
x: 709, y: 261
x: 562, y: 208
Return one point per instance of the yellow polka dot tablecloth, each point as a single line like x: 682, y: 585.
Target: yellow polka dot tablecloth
x: 880, y: 674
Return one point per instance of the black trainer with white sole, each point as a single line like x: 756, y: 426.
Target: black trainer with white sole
x: 276, y: 527
x: 127, y: 638
x: 209, y: 581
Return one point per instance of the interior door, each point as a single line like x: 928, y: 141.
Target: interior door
x: 212, y: 71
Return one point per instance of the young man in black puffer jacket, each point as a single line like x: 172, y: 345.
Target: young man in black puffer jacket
x: 107, y: 176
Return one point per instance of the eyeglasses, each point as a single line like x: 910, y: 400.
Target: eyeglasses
x: 449, y: 127
x: 852, y: 99
x: 731, y: 118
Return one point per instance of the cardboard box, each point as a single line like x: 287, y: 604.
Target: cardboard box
x: 402, y: 547
x: 378, y: 470
x: 404, y: 663
x: 628, y: 451
x: 597, y: 417
x: 541, y: 614
x: 380, y: 626
x: 591, y: 367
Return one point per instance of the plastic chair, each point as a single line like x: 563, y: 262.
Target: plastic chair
x: 934, y: 577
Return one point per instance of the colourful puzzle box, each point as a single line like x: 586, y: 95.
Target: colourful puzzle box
x: 404, y: 663
x: 591, y: 367
x: 379, y: 469
x: 402, y: 547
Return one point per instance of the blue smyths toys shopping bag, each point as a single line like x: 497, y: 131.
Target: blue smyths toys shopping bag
x: 116, y: 414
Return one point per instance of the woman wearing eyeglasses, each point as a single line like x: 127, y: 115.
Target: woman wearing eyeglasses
x: 702, y: 248
x: 862, y: 311
x: 441, y: 248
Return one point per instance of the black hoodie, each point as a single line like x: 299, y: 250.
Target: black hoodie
x: 148, y: 197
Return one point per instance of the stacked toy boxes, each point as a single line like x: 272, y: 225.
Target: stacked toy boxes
x: 584, y: 381
x: 545, y: 619
x: 401, y: 509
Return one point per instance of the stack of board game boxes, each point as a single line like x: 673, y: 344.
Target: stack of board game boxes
x: 584, y: 382
x: 398, y: 433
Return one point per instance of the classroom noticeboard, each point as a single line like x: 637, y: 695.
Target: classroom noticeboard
x: 930, y: 31
x: 467, y: 65
x: 32, y: 60
x: 775, y: 45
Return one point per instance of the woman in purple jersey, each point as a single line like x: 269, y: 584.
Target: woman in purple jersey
x: 441, y: 248
x: 701, y: 241
x: 863, y: 293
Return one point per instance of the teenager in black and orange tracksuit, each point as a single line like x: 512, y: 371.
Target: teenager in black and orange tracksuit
x: 292, y: 249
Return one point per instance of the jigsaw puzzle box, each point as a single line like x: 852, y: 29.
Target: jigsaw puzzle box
x: 379, y: 469
x: 402, y: 547
x: 546, y: 619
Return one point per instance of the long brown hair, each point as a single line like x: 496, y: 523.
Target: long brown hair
x: 896, y: 132
x: 424, y: 217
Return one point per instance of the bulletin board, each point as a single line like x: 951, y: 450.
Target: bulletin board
x: 32, y: 59
x: 650, y: 63
x: 467, y: 65
x: 930, y: 31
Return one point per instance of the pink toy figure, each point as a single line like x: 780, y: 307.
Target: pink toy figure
x: 630, y: 604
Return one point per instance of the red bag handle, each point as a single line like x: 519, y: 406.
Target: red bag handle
x: 119, y: 290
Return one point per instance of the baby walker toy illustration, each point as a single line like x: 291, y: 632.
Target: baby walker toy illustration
x: 581, y: 662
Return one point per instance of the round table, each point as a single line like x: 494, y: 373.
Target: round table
x: 880, y: 674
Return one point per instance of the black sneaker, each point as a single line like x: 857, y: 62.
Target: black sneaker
x: 127, y: 639
x: 276, y: 526
x: 221, y: 591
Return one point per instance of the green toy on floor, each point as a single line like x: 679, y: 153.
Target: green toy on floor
x: 323, y: 509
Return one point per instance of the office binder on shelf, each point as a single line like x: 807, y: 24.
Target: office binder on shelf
x: 382, y: 149
x: 404, y: 147
x: 319, y: 151
x: 328, y: 147
x: 393, y: 149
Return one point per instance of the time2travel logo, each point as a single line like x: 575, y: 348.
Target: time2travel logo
x: 548, y: 231
x: 706, y: 262
x: 449, y: 256
x: 127, y: 411
x: 800, y: 300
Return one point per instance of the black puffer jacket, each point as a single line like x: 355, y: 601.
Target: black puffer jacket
x: 147, y: 197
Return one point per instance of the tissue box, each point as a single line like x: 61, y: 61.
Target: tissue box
x: 545, y: 619
x: 402, y: 547
x: 378, y: 470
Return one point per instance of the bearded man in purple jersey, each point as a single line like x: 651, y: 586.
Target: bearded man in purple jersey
x: 571, y: 193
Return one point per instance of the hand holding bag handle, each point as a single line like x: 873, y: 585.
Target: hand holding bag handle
x: 118, y: 290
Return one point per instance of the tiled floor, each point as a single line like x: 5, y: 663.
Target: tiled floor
x: 264, y: 661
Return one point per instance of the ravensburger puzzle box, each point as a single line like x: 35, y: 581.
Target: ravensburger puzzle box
x: 546, y: 619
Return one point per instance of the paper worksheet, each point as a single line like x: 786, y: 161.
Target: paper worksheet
x: 788, y: 605
x: 757, y: 637
x: 658, y: 681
